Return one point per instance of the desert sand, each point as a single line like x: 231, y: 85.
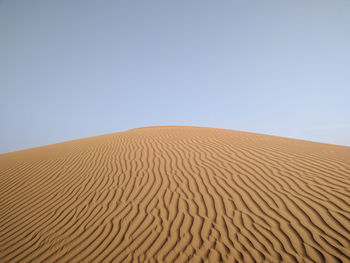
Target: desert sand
x: 176, y: 194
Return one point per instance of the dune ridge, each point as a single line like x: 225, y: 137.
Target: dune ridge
x: 176, y: 194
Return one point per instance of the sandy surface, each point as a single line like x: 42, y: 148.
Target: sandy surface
x: 176, y: 194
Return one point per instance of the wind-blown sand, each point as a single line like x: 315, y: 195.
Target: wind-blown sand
x: 176, y: 194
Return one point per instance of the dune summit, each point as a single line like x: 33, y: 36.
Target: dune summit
x: 176, y: 194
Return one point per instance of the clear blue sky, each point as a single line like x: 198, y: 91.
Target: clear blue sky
x: 71, y: 69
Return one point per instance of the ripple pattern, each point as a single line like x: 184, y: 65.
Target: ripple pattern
x: 176, y: 194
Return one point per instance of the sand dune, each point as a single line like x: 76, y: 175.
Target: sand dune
x: 176, y: 194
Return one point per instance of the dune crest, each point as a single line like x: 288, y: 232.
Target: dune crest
x: 176, y: 194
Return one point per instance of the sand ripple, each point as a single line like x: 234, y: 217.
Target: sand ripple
x: 176, y: 194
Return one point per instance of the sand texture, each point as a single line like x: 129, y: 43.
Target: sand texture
x: 176, y: 194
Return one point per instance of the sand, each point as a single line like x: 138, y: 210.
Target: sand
x: 176, y: 194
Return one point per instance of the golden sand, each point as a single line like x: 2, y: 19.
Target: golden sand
x: 176, y: 194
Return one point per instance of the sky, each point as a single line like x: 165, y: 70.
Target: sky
x: 71, y: 69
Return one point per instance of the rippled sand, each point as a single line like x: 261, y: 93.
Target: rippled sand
x: 176, y: 194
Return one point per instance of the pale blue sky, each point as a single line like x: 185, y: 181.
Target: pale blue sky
x: 71, y: 69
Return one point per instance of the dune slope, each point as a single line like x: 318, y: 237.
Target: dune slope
x: 176, y: 194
